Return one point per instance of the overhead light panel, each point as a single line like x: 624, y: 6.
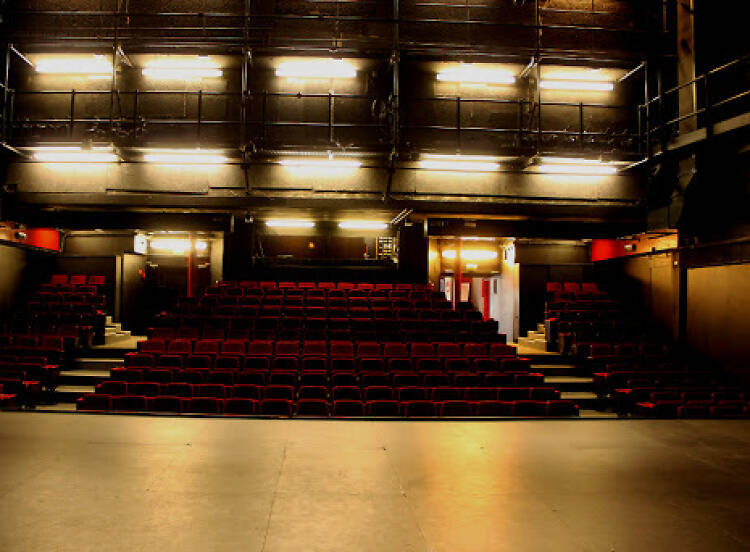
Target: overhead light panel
x: 176, y: 246
x: 94, y: 67
x: 582, y: 80
x: 573, y: 165
x: 471, y: 254
x: 316, y: 68
x: 321, y: 162
x: 75, y: 154
x: 181, y: 68
x: 362, y: 225
x: 468, y: 73
x: 289, y: 223
x: 460, y: 163
x: 185, y: 156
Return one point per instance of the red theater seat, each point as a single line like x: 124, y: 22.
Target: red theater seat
x: 93, y: 402
x: 240, y: 407
x: 455, y: 409
x: 347, y: 408
x: 418, y: 409
x: 166, y: 403
x: 494, y: 408
x: 383, y: 408
x: 276, y: 407
x: 205, y: 405
x: 312, y: 407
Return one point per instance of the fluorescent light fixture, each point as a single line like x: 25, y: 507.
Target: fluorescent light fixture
x: 185, y: 157
x: 469, y: 73
x: 313, y: 68
x: 181, y: 68
x: 362, y: 225
x: 471, y: 254
x: 321, y: 162
x: 461, y: 163
x: 582, y: 80
x: 289, y: 223
x: 75, y: 154
x: 176, y: 246
x: 476, y: 238
x: 572, y: 165
x: 94, y: 67
x: 472, y: 266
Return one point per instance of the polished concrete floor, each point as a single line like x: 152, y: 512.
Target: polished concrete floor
x: 132, y: 483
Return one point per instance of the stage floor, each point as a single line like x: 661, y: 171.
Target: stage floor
x: 138, y: 483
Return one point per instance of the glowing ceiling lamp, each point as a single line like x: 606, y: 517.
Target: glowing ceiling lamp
x: 185, y: 157
x: 316, y: 69
x: 75, y: 154
x: 181, y: 68
x: 321, y: 162
x: 468, y: 73
x: 584, y: 80
x: 362, y: 225
x: 289, y: 223
x: 461, y: 163
x: 176, y: 246
x: 201, y: 245
x: 94, y: 67
x: 471, y: 254
x: 573, y: 165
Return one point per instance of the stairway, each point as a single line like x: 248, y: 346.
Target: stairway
x: 92, y: 366
x: 560, y: 373
x: 535, y: 339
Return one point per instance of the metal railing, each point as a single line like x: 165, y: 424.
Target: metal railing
x: 260, y: 118
x: 716, y: 95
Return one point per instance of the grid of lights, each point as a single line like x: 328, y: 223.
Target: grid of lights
x: 461, y: 163
x: 185, y: 157
x: 469, y: 73
x: 316, y: 69
x: 75, y: 154
x: 362, y: 225
x: 572, y: 165
x: 94, y: 67
x: 181, y: 68
x: 289, y: 223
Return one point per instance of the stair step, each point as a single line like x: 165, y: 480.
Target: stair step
x: 569, y: 383
x: 540, y: 328
x: 69, y: 393
x: 83, y: 377
x: 584, y: 399
x: 97, y: 364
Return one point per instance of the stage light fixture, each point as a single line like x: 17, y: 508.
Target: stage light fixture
x: 572, y: 165
x: 289, y: 223
x: 181, y: 68
x: 185, y: 156
x: 469, y: 73
x: 74, y: 154
x: 362, y: 225
x: 460, y: 163
x: 577, y: 80
x: 316, y: 68
x: 94, y: 67
x: 471, y: 254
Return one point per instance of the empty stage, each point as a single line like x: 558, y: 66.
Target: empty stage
x: 88, y: 482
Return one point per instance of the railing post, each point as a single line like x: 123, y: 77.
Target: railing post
x: 6, y: 84
x: 707, y: 119
x: 200, y: 113
x: 580, y: 123
x: 330, y: 117
x: 458, y: 124
x: 72, y: 111
x: 136, y: 98
x: 520, y: 123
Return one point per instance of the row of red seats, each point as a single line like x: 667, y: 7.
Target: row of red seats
x: 338, y: 392
x: 363, y: 313
x: 222, y: 293
x: 267, y: 284
x: 606, y: 383
x: 321, y: 408
x: 625, y: 399
x: 77, y: 280
x: 676, y: 408
x: 72, y: 335
x: 7, y: 400
x: 330, y: 378
x: 324, y: 348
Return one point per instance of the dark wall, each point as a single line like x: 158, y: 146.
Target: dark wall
x: 542, y: 262
x: 97, y: 244
x: 696, y: 295
x: 22, y: 269
x: 413, y: 253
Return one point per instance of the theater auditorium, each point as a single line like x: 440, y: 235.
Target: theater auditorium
x: 440, y: 275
